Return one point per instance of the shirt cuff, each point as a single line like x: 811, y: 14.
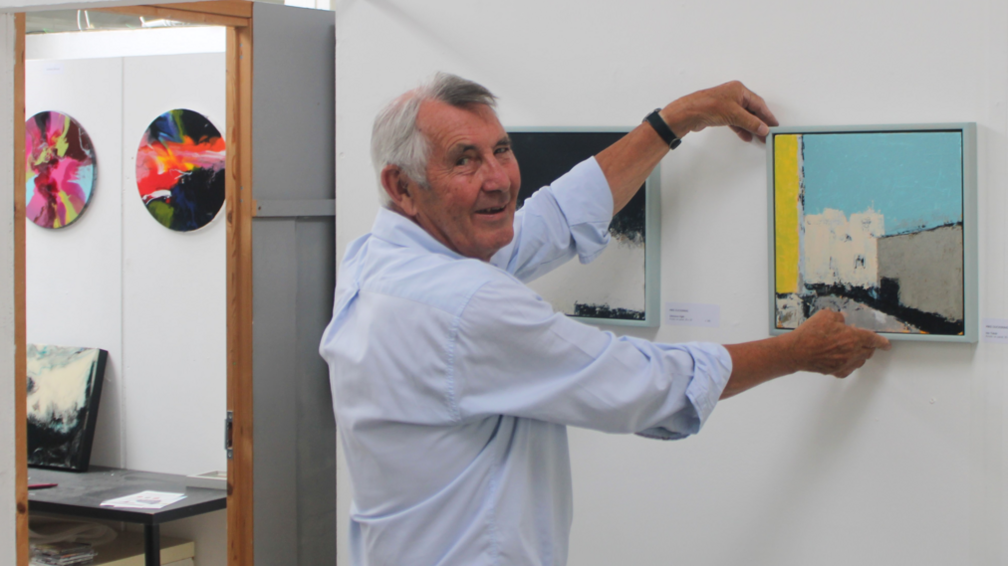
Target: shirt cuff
x: 585, y: 199
x: 712, y: 366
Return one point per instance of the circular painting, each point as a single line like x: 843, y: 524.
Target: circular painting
x: 59, y: 169
x: 180, y: 170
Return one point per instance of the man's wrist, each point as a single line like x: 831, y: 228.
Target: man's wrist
x: 677, y: 119
x: 788, y: 354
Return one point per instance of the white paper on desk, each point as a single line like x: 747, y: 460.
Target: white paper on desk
x: 145, y: 500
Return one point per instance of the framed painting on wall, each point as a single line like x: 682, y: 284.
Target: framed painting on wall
x: 876, y: 222
x: 621, y: 286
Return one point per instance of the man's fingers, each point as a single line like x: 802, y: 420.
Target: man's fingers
x: 873, y: 340
x: 742, y: 133
x: 755, y: 104
x: 882, y: 342
x: 750, y: 122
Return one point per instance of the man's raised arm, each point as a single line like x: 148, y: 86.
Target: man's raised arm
x: 628, y: 162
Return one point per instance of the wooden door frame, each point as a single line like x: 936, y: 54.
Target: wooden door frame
x: 236, y: 15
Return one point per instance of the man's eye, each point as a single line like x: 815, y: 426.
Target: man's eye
x: 462, y: 161
x: 502, y: 150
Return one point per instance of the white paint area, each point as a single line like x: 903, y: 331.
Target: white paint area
x: 806, y: 469
x: 841, y: 252
x: 615, y: 279
x: 118, y: 280
x: 62, y: 378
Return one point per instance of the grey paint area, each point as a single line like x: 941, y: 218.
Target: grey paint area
x: 293, y: 265
x: 928, y: 266
x: 863, y: 316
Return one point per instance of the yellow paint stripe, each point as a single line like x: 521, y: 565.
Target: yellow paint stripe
x: 786, y: 185
x: 71, y: 213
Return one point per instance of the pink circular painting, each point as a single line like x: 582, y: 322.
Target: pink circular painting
x: 59, y: 169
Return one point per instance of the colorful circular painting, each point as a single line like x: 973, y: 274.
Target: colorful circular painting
x: 180, y: 170
x: 59, y: 169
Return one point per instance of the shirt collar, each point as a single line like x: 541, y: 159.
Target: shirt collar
x: 401, y: 231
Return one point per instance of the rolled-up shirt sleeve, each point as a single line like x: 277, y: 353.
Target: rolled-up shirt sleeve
x: 569, y: 217
x: 514, y: 356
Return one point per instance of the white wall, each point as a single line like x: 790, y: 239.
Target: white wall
x: 902, y: 463
x: 116, y: 279
x: 8, y: 525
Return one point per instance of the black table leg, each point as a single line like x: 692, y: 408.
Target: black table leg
x: 152, y: 545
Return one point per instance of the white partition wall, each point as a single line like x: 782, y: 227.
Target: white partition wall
x: 901, y: 463
x: 119, y: 280
x: 175, y: 317
x: 74, y: 274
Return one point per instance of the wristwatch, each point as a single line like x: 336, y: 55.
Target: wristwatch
x: 664, y: 131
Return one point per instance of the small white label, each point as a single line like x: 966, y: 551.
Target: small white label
x: 52, y: 69
x: 692, y: 314
x: 995, y: 330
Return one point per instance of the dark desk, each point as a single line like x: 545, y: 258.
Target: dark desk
x: 81, y: 495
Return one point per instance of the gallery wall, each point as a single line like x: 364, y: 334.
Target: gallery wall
x: 119, y: 280
x: 901, y: 463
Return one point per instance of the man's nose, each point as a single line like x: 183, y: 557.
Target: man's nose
x: 495, y: 177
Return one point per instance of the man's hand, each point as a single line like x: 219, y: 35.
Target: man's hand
x: 629, y: 161
x: 824, y: 344
x: 730, y: 104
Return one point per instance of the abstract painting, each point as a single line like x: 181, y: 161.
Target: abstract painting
x: 64, y: 388
x: 180, y: 170
x: 871, y: 224
x: 59, y: 169
x: 620, y: 285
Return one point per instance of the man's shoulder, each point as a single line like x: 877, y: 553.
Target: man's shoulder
x: 437, y: 280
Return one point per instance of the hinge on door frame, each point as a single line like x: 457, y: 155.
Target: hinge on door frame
x: 228, y: 434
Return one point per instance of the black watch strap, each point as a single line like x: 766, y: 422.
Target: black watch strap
x: 664, y: 131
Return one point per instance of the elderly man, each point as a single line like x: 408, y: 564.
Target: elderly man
x: 453, y: 382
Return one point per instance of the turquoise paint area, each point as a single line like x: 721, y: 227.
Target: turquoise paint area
x: 85, y: 178
x: 913, y: 179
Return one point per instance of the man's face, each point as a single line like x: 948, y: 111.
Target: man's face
x: 473, y: 178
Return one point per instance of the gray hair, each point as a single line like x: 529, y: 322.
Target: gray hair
x: 395, y: 138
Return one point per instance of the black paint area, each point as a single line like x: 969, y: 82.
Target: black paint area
x: 543, y: 157
x: 886, y: 300
x: 605, y: 311
x: 196, y: 199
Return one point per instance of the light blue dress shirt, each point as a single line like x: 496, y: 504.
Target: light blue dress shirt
x: 453, y: 384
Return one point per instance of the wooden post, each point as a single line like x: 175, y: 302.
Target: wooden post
x: 20, y: 328
x: 239, y: 293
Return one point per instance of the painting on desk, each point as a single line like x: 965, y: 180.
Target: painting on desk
x: 64, y: 388
x: 613, y: 287
x: 870, y: 224
x: 180, y: 170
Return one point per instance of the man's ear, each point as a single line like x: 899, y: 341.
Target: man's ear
x: 399, y: 188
